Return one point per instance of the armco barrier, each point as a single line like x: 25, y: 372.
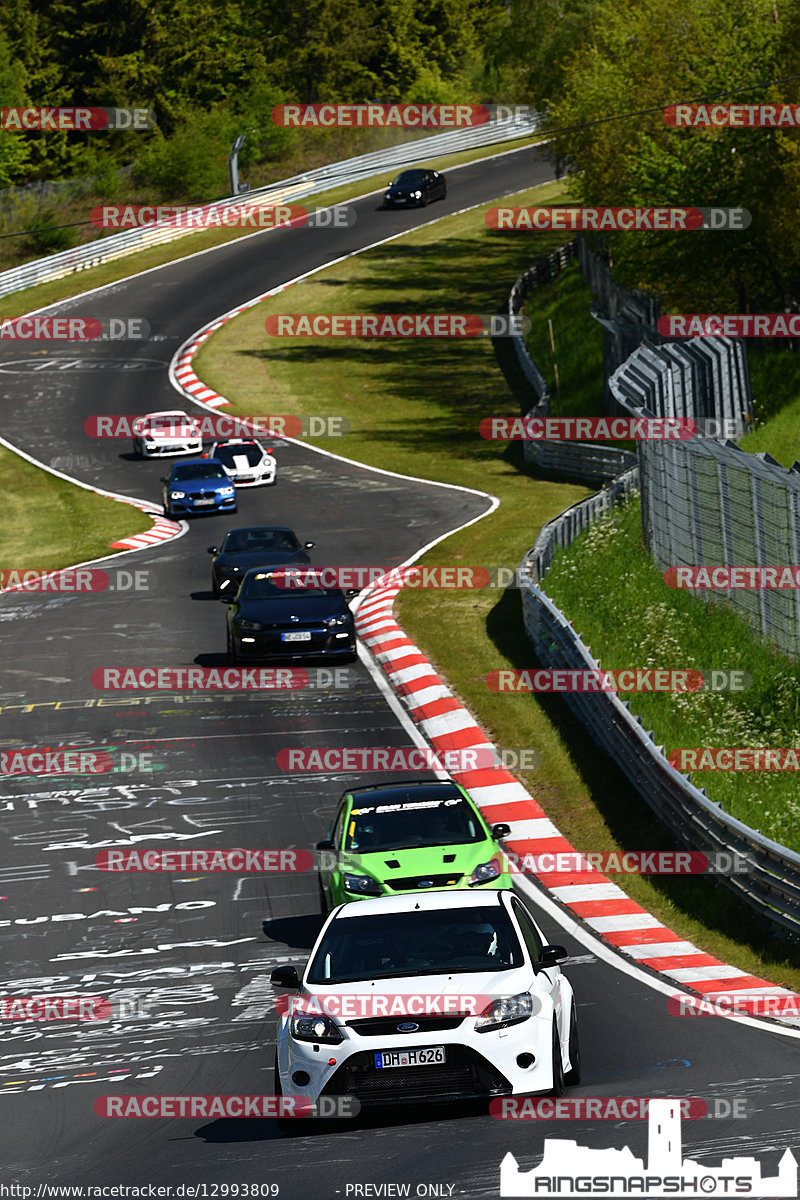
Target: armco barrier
x: 584, y: 461
x: 772, y: 885
x: 351, y: 170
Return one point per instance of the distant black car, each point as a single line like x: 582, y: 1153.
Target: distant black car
x: 415, y: 187
x: 270, y: 618
x: 253, y: 546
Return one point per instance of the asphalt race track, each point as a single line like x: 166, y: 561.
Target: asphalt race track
x: 199, y: 957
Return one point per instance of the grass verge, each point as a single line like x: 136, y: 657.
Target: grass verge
x: 414, y: 408
x: 51, y: 523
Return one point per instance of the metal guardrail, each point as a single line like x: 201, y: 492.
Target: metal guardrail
x: 707, y: 502
x: 584, y: 461
x: 351, y: 170
x: 771, y: 885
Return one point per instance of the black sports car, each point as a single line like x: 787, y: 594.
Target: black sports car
x: 415, y: 187
x: 254, y: 546
x: 271, y: 618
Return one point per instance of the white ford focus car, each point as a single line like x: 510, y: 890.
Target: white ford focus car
x: 160, y: 434
x: 247, y: 463
x: 427, y: 997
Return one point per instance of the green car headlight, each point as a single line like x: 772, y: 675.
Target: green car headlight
x: 362, y: 885
x: 510, y: 1010
x: 486, y: 872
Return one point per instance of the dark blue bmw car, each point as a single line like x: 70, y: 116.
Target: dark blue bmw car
x: 271, y: 618
x: 197, y: 485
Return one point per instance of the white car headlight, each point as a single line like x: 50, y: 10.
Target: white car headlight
x: 333, y: 622
x: 177, y: 495
x: 227, y: 491
x: 317, y: 1028
x: 509, y: 1010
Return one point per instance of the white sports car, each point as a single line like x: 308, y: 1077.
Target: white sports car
x: 247, y: 463
x: 160, y: 434
x: 382, y: 1011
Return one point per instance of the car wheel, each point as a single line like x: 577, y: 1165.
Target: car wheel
x: 215, y: 587
x: 573, y: 1075
x: 287, y: 1125
x: 232, y: 653
x: 323, y: 899
x: 558, y: 1068
x: 137, y: 449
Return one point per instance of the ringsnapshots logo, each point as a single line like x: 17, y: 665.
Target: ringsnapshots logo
x: 732, y: 116
x: 610, y: 220
x: 74, y: 329
x: 75, y: 119
x: 239, y: 861
x: 407, y: 758
x: 395, y: 325
x: 212, y: 427
x: 633, y: 679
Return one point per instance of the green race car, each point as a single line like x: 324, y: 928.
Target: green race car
x: 402, y: 837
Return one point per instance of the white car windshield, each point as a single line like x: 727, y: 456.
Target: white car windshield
x: 426, y: 942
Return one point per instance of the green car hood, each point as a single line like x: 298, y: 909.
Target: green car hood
x: 439, y: 863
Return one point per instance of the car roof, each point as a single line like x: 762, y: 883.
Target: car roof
x: 197, y: 462
x: 237, y: 442
x: 433, y: 901
x: 171, y: 412
x: 406, y: 793
x: 260, y: 528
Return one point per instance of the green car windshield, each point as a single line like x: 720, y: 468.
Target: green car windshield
x: 441, y: 822
x: 438, y: 942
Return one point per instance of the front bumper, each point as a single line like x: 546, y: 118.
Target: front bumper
x: 167, y: 449
x: 341, y: 896
x: 188, y: 506
x: 477, y: 1065
x: 268, y: 644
